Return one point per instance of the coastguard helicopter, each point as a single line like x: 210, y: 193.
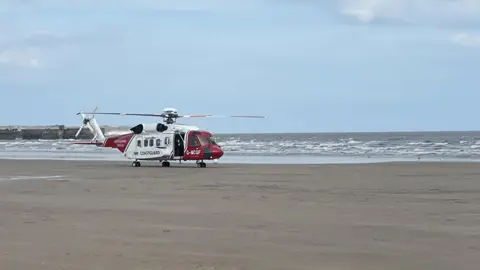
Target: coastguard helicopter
x: 162, y: 142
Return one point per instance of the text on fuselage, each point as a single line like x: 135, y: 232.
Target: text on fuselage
x: 149, y: 153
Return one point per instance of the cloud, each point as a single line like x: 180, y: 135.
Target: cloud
x: 466, y: 40
x: 21, y: 57
x: 27, y: 51
x: 42, y: 49
x: 426, y: 12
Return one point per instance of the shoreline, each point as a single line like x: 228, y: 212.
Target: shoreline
x: 149, y: 163
x: 240, y: 159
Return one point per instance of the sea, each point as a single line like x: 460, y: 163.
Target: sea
x: 288, y: 148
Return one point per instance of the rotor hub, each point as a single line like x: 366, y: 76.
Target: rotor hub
x: 170, y: 111
x: 171, y: 115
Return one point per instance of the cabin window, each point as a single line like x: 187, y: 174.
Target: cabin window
x: 193, y: 141
x: 159, y: 142
x: 167, y: 141
x: 139, y: 143
x: 145, y: 142
x: 151, y: 142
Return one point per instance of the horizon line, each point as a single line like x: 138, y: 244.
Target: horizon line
x: 4, y: 127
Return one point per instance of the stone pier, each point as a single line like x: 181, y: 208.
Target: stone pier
x: 56, y: 132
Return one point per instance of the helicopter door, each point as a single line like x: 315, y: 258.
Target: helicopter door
x: 179, y: 144
x: 194, y: 149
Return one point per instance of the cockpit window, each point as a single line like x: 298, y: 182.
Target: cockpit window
x: 204, y: 140
x: 207, y: 140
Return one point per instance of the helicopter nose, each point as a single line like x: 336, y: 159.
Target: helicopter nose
x: 217, y: 152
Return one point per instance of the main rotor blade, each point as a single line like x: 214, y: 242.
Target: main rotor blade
x: 194, y: 115
x: 248, y: 116
x: 131, y: 114
x: 179, y: 116
x: 230, y: 116
x: 148, y: 114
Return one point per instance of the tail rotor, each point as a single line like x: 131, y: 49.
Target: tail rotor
x: 86, y: 122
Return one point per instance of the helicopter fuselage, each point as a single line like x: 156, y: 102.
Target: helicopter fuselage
x: 171, y: 144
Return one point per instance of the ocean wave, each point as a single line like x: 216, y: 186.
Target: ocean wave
x: 374, y: 145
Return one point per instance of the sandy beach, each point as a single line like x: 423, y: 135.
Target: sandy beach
x: 109, y: 215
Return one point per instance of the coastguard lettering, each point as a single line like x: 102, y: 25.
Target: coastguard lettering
x: 149, y: 153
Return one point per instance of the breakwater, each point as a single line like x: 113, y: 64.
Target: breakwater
x: 56, y: 132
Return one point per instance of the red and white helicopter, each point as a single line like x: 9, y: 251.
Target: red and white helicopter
x: 159, y: 141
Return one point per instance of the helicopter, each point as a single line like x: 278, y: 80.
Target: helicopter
x: 164, y: 142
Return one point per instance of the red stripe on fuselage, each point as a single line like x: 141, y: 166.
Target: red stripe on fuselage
x: 120, y: 142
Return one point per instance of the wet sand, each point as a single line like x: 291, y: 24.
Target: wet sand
x: 109, y: 215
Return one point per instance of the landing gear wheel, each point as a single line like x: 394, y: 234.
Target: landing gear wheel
x: 165, y: 164
x: 135, y: 164
x: 201, y: 164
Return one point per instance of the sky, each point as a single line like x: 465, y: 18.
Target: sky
x: 307, y: 65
